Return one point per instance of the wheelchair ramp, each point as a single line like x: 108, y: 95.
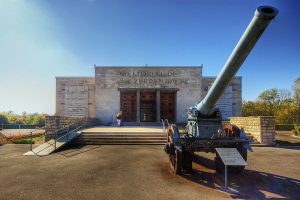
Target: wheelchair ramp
x: 50, y: 146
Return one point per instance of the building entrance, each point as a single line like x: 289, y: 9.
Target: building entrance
x: 148, y: 107
x: 167, y: 106
x: 128, y: 106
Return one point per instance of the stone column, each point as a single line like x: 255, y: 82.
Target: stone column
x: 158, y: 106
x: 138, y: 106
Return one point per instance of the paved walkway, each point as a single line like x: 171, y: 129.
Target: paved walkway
x: 143, y: 173
x: 287, y: 136
x: 11, y: 132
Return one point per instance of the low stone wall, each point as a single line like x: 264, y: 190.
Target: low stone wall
x: 54, y: 123
x: 262, y: 128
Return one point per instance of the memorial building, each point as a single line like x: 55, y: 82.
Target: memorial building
x: 145, y: 95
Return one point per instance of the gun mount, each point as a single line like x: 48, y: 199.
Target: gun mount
x: 204, y: 129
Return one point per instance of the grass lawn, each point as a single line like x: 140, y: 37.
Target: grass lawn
x: 27, y: 140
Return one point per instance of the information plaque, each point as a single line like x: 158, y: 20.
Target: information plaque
x: 231, y: 157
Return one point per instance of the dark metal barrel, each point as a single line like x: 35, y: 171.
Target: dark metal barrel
x: 262, y: 17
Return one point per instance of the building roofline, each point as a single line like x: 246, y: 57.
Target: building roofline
x: 148, y: 66
x: 73, y: 77
x: 240, y: 77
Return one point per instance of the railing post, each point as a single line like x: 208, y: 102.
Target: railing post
x: 167, y: 122
x: 55, y: 140
x: 163, y: 123
x: 31, y: 141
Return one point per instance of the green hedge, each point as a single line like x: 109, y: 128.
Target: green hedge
x: 297, y: 130
x: 284, y: 127
x: 22, y: 141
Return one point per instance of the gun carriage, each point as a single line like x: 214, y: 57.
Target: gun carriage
x: 204, y: 130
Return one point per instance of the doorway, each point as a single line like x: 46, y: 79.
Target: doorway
x: 167, y: 106
x: 148, y: 107
x: 128, y: 106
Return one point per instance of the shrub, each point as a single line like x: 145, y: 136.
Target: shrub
x: 284, y: 127
x: 22, y: 141
x: 296, y: 130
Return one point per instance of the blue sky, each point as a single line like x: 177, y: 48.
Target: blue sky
x: 43, y: 39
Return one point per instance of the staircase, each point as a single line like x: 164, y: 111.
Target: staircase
x: 122, y: 135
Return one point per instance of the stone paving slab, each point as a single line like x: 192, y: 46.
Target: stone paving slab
x: 142, y: 173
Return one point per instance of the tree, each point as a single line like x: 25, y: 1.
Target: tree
x: 285, y: 97
x: 296, y: 95
x: 270, y: 99
x: 3, y: 119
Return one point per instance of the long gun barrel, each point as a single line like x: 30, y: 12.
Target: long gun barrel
x: 262, y: 17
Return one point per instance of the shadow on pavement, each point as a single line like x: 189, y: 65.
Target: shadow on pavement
x: 73, y: 150
x: 247, y: 185
x: 288, y: 147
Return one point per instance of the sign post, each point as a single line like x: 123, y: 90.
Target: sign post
x: 230, y: 157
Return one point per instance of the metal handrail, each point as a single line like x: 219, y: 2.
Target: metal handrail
x: 55, y: 140
x: 54, y: 144
x: 167, y: 121
x: 163, y: 121
x: 41, y: 128
x: 56, y: 131
x: 163, y: 124
x: 69, y: 133
x: 68, y: 126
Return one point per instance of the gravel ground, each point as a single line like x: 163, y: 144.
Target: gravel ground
x: 11, y: 132
x: 142, y: 172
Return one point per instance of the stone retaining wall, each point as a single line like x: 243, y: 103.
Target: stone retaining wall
x: 54, y: 123
x: 262, y: 128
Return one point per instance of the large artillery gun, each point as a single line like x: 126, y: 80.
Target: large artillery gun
x: 204, y: 129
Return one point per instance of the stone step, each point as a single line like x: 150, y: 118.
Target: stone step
x: 120, y: 142
x: 121, y: 133
x: 124, y: 136
x: 119, y: 139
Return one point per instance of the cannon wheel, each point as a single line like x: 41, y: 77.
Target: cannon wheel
x: 187, y: 162
x: 175, y: 156
x: 231, y: 130
x: 175, y: 159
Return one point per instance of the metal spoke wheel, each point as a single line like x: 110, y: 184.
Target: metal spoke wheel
x: 175, y: 159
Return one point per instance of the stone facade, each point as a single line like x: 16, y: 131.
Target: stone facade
x: 186, y: 80
x: 99, y: 96
x: 231, y: 102
x: 75, y: 96
x: 262, y: 128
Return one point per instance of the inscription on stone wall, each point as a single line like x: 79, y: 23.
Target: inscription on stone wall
x: 154, y: 78
x: 225, y: 103
x: 76, y: 101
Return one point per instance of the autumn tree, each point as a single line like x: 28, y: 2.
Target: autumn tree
x: 3, y: 119
x: 270, y: 100
x: 296, y: 95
